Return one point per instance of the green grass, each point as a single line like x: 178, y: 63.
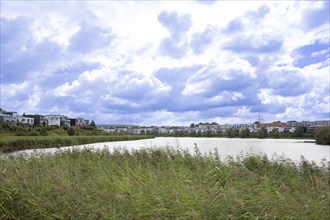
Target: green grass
x: 160, y: 183
x: 15, y: 143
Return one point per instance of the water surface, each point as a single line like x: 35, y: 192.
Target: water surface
x: 288, y: 148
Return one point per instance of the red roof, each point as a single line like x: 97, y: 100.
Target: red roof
x: 273, y: 124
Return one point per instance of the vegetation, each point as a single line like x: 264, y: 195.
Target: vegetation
x: 237, y: 133
x: 322, y: 135
x: 44, y: 130
x: 71, y: 131
x: 21, y: 137
x: 14, y: 143
x: 160, y: 184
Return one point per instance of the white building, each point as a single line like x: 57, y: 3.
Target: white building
x: 8, y: 116
x: 54, y: 120
x: 65, y: 121
x: 25, y: 120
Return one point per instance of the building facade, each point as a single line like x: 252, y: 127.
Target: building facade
x: 38, y: 119
x: 53, y: 120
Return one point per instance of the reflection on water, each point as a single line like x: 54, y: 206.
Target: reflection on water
x: 292, y: 149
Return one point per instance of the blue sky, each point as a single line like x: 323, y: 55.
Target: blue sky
x: 167, y: 62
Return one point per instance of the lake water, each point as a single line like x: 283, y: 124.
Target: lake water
x: 288, y: 148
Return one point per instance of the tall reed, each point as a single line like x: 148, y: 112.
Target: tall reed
x: 161, y: 183
x: 10, y: 143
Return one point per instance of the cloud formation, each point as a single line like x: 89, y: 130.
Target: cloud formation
x: 174, y: 46
x: 173, y: 63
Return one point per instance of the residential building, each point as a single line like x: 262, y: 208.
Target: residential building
x: 77, y: 122
x: 53, y: 120
x: 7, y: 113
x: 25, y: 120
x: 322, y: 123
x: 293, y: 123
x: 311, y: 126
x: 8, y: 116
x: 38, y: 119
x: 279, y: 126
x: 65, y: 121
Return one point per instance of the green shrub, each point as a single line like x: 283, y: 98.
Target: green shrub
x: 33, y: 133
x: 276, y: 134
x: 43, y: 131
x: 71, y: 131
x: 322, y: 135
x: 21, y: 133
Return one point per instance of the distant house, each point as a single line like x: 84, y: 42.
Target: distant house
x: 311, y: 126
x: 72, y: 122
x: 8, y: 116
x: 53, y: 120
x: 25, y: 120
x: 322, y: 123
x: 38, y: 119
x: 11, y: 116
x: 65, y: 121
x: 7, y: 113
x: 78, y: 122
x: 293, y: 123
x: 280, y: 126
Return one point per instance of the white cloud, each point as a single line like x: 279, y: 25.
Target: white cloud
x: 67, y: 89
x: 220, y: 77
x: 169, y: 62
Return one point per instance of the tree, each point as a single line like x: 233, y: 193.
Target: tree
x: 276, y: 134
x: 192, y: 125
x: 262, y: 133
x: 92, y: 124
x: 248, y: 133
x: 243, y: 133
x: 71, y: 131
x: 230, y: 133
x: 322, y: 135
x: 236, y: 132
x: 192, y: 133
x: 208, y: 133
x: 299, y: 132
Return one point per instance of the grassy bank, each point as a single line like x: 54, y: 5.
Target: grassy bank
x: 160, y: 184
x: 15, y: 143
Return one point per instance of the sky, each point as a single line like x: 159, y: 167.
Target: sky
x: 166, y: 62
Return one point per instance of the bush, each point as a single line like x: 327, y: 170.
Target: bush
x: 43, y: 131
x: 322, y: 135
x: 71, y: 131
x: 276, y: 134
x: 33, y: 133
x: 20, y: 133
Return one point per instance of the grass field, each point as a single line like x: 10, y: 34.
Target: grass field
x: 14, y: 143
x: 160, y: 184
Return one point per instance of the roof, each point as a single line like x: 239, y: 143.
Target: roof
x: 273, y: 124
